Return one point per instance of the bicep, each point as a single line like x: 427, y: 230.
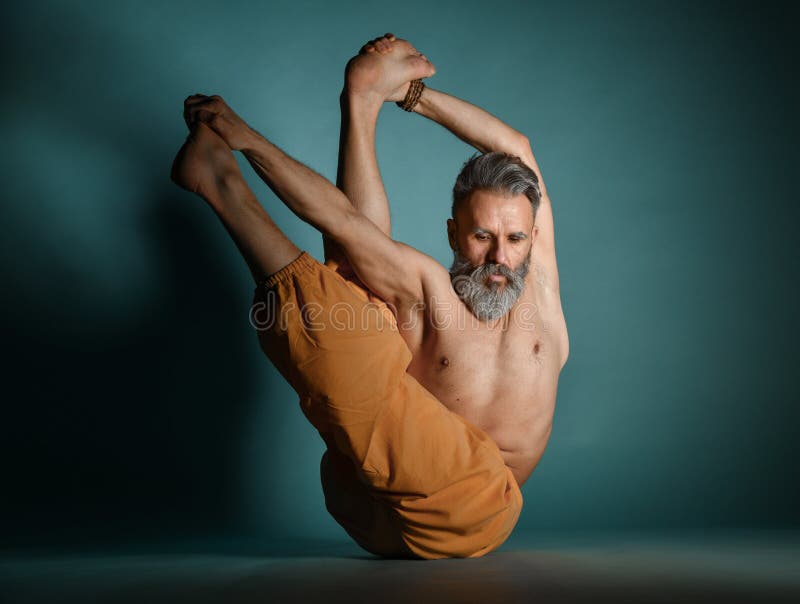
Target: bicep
x: 544, y: 247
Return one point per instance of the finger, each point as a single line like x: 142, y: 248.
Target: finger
x: 190, y: 102
x: 431, y: 68
x: 206, y: 108
x: 208, y: 101
x: 194, y: 99
x: 201, y: 119
x: 195, y: 109
x: 203, y: 116
x: 420, y: 68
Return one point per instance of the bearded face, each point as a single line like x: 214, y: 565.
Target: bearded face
x: 487, y: 299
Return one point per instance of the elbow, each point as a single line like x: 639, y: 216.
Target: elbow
x: 523, y: 146
x: 525, y: 153
x: 341, y: 225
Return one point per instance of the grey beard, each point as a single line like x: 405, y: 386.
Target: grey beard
x: 487, y: 302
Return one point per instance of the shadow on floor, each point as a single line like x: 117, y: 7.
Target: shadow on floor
x: 728, y: 568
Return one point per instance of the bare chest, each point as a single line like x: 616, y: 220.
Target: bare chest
x: 502, y: 378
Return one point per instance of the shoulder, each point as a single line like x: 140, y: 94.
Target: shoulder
x: 431, y: 275
x: 422, y: 274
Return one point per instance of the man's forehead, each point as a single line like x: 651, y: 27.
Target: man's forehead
x: 487, y: 209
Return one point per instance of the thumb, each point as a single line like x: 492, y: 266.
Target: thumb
x: 420, y: 67
x: 431, y: 67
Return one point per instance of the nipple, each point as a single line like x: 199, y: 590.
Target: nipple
x: 445, y: 362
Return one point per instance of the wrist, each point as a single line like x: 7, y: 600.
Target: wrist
x: 412, y: 95
x: 423, y: 106
x: 250, y: 140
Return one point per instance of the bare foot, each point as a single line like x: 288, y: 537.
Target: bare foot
x: 384, y: 67
x: 381, y: 44
x: 204, y: 163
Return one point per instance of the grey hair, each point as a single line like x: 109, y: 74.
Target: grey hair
x: 496, y: 171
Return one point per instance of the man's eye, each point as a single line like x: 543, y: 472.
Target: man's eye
x: 482, y: 237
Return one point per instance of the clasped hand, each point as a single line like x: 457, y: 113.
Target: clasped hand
x: 384, y: 67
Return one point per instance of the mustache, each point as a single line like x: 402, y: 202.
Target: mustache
x: 490, y: 268
x: 464, y: 268
x: 487, y: 301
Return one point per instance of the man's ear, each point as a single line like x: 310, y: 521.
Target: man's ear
x: 451, y: 233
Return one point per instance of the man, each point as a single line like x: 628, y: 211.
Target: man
x: 433, y: 389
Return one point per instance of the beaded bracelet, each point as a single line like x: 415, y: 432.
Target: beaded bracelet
x: 413, y: 95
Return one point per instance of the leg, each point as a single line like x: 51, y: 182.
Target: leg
x: 205, y: 165
x: 404, y: 475
x: 369, y: 522
x: 336, y: 346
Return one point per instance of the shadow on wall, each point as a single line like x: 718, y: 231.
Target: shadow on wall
x: 127, y: 340
x: 131, y: 429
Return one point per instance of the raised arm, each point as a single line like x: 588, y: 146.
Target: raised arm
x: 487, y: 133
x: 380, y: 72
x: 359, y: 175
x: 476, y: 127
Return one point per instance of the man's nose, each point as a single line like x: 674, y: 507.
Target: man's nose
x: 498, y: 253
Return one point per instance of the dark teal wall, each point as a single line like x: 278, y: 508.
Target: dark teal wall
x: 136, y: 402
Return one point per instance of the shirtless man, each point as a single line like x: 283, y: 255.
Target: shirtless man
x: 487, y: 339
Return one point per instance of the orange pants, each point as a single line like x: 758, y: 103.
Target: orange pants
x: 402, y: 474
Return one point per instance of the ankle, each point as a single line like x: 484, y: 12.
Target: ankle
x: 361, y: 105
x: 226, y: 186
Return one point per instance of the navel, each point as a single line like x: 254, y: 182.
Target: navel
x: 536, y: 348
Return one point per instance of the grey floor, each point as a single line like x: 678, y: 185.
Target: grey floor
x: 700, y: 567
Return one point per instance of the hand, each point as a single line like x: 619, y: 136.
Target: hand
x: 215, y: 113
x: 384, y: 67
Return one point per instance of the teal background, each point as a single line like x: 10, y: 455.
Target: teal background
x: 136, y: 403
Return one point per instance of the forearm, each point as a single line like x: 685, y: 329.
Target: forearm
x: 358, y: 174
x: 475, y: 126
x: 469, y: 122
x: 309, y: 195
